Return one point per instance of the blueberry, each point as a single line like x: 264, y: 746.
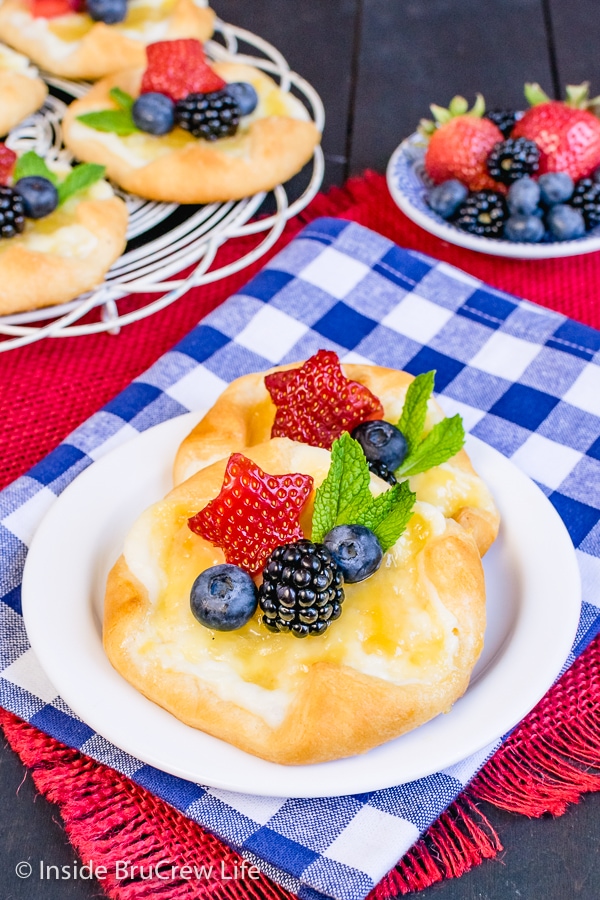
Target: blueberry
x: 223, y: 597
x: 445, y: 198
x: 556, y: 187
x: 244, y: 95
x: 523, y: 197
x: 565, y: 223
x: 381, y: 442
x: 154, y: 113
x: 524, y: 228
x: 596, y: 174
x: 39, y: 195
x: 108, y: 11
x: 355, y: 550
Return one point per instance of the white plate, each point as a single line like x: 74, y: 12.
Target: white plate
x: 408, y: 184
x: 533, y: 610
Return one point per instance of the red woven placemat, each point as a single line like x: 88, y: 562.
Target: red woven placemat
x: 51, y: 387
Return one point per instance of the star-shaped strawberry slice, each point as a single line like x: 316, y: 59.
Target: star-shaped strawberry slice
x: 178, y: 68
x: 317, y: 403
x: 254, y: 513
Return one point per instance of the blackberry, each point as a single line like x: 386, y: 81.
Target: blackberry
x: 483, y: 214
x: 302, y: 589
x: 210, y: 116
x: 512, y: 159
x: 504, y: 119
x: 12, y: 212
x: 379, y: 468
x: 586, y: 198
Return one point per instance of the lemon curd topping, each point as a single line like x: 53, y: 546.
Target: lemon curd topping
x: 393, y: 625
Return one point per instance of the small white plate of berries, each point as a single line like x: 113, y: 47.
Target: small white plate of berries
x: 521, y: 184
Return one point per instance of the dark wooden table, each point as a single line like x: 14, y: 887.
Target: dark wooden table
x: 378, y: 64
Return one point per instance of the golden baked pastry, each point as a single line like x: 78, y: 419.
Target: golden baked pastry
x: 74, y: 46
x: 401, y: 652
x: 68, y: 252
x: 271, y: 145
x: 21, y: 91
x: 244, y: 413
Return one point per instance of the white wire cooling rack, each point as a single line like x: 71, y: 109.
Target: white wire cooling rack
x: 164, y: 238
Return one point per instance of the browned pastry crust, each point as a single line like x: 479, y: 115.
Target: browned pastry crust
x: 30, y: 279
x: 267, y: 153
x: 19, y: 97
x: 336, y: 710
x: 243, y: 415
x: 104, y: 48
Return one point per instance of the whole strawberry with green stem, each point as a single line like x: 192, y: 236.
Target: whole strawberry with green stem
x: 460, y: 141
x: 566, y: 132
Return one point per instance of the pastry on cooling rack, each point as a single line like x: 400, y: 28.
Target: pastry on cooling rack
x: 21, y: 91
x: 185, y: 131
x: 218, y: 582
x: 91, y: 38
x: 316, y: 401
x: 61, y: 229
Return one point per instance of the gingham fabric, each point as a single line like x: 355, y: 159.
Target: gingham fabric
x: 525, y: 380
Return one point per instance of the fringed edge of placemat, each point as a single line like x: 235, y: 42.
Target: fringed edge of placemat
x: 543, y: 767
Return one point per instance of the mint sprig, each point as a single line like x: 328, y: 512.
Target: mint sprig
x: 31, y: 164
x: 114, y: 121
x: 344, y: 498
x: 414, y: 411
x: 443, y: 441
x: 79, y: 178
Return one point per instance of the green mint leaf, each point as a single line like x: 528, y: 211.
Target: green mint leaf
x: 117, y: 121
x: 390, y: 514
x: 32, y: 164
x: 78, y: 179
x: 345, y: 491
x: 443, y: 441
x: 414, y: 411
x: 121, y: 98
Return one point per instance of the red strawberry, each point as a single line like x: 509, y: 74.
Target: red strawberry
x: 568, y: 136
x: 50, y: 9
x: 460, y: 144
x: 178, y: 68
x: 317, y: 403
x: 7, y: 163
x: 253, y: 514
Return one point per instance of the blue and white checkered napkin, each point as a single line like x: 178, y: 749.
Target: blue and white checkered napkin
x: 525, y: 380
